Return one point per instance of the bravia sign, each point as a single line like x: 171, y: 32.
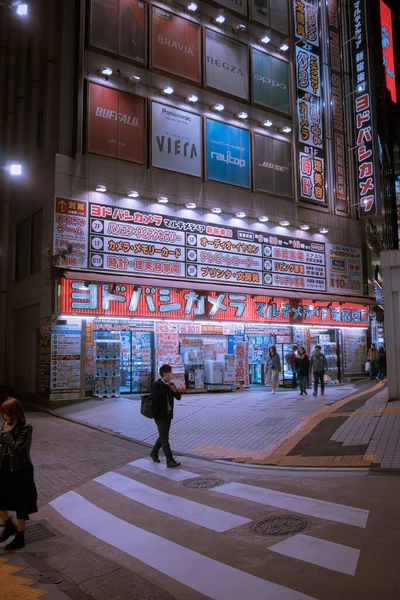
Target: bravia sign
x: 116, y: 124
x: 271, y: 13
x: 176, y: 140
x: 175, y: 45
x: 119, y: 26
x: 272, y: 166
x: 226, y: 65
x: 270, y: 77
x: 228, y: 154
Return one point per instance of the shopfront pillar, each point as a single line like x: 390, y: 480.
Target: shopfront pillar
x: 391, y: 289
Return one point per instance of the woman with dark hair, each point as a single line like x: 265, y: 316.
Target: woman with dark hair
x: 17, y: 486
x: 272, y: 368
x: 302, y: 367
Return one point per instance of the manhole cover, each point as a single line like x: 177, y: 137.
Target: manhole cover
x: 279, y: 526
x: 51, y: 578
x: 202, y: 483
x: 37, y: 532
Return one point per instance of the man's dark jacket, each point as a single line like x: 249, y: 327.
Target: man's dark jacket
x: 163, y: 396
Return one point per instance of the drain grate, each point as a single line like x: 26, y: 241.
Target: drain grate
x: 201, y: 483
x: 37, y: 532
x: 279, y: 526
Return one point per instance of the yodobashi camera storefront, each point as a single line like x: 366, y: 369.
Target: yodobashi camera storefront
x: 111, y: 336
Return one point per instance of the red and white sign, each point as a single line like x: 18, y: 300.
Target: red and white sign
x: 70, y: 233
x: 388, y: 50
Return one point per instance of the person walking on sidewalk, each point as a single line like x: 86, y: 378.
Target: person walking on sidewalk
x: 164, y: 392
x: 272, y: 368
x: 17, y: 486
x: 291, y: 363
x: 381, y: 364
x: 318, y: 364
x: 302, y: 367
x: 371, y: 358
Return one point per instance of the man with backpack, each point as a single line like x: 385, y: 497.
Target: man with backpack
x: 164, y: 392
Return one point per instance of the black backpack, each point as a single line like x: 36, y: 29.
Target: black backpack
x: 148, y: 406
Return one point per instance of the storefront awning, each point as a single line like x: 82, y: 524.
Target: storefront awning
x: 213, y: 287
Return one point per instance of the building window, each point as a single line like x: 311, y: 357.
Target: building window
x: 28, y: 246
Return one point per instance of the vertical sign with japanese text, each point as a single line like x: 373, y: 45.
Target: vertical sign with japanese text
x: 70, y: 233
x: 309, y: 103
x: 388, y: 50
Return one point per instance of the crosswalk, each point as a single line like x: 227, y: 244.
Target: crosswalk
x: 197, y: 568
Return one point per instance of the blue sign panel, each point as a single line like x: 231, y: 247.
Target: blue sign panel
x: 228, y: 154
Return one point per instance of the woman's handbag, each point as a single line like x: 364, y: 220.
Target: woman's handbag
x: 367, y: 367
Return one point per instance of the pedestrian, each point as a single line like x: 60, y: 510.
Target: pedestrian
x: 291, y: 363
x: 164, y: 392
x: 272, y: 368
x: 302, y: 367
x: 17, y: 486
x: 371, y: 358
x: 381, y: 364
x: 318, y: 364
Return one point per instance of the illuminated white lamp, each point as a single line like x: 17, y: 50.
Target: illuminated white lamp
x: 216, y: 210
x: 265, y: 39
x: 263, y: 219
x: 323, y: 230
x: 136, y: 77
x: 15, y: 169
x: 286, y: 129
x: 220, y: 19
x: 284, y: 47
x: 240, y: 27
x: 192, y: 98
x: 192, y: 6
x: 284, y: 223
x: 133, y: 194
x: 168, y: 90
x: 218, y: 107
x: 106, y: 71
x: 240, y: 214
x: 242, y: 115
x: 101, y: 188
x: 304, y: 227
x: 267, y: 123
x: 162, y: 199
x: 190, y: 205
x: 22, y: 10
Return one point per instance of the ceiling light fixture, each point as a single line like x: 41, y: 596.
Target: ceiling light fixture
x: 190, y: 205
x: 192, y: 98
x: 218, y: 107
x: 136, y: 77
x: 22, y: 10
x: 286, y: 129
x: 240, y: 214
x: 168, y: 90
x: 216, y: 210
x: 263, y: 219
x: 133, y: 194
x: 284, y: 47
x: 15, y: 169
x: 267, y: 123
x: 162, y: 199
x: 265, y: 39
x: 284, y: 223
x: 192, y: 6
x: 220, y: 19
x: 304, y: 227
x: 240, y: 27
x: 101, y: 188
x: 106, y: 71
x: 242, y: 115
x: 323, y: 230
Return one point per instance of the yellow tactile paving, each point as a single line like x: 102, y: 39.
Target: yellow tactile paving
x: 13, y: 587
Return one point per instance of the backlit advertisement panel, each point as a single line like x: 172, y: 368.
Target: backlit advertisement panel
x: 272, y: 166
x: 271, y: 13
x: 387, y: 49
x: 176, y: 140
x: 270, y: 77
x: 175, y: 45
x: 228, y: 154
x: 116, y: 124
x: 226, y: 65
x: 344, y: 270
x: 119, y: 26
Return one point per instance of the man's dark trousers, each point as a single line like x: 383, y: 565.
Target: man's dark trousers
x: 319, y: 377
x: 163, y: 426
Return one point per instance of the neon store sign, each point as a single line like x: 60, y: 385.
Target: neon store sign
x: 387, y: 49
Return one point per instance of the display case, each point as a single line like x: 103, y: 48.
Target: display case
x: 108, y: 367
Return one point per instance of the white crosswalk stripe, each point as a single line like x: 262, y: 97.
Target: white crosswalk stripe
x: 194, y: 512
x: 162, y: 470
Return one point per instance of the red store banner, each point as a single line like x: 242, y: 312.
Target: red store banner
x: 126, y: 300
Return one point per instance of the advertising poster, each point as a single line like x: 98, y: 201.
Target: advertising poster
x: 271, y: 13
x: 176, y: 140
x: 337, y: 107
x: 71, y: 233
x: 388, y: 49
x: 116, y: 124
x: 270, y: 81
x: 345, y: 273
x: 175, y: 45
x: 228, y: 154
x: 43, y: 359
x: 226, y: 65
x: 65, y: 358
x: 119, y: 26
x: 272, y: 166
x: 239, y: 6
x: 310, y: 111
x: 354, y: 352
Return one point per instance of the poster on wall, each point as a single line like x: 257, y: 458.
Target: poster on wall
x: 354, y: 352
x: 271, y: 13
x: 70, y: 233
x: 272, y: 166
x: 270, y: 78
x: 226, y: 65
x: 345, y: 273
x: 65, y: 359
x: 116, y: 124
x: 228, y: 154
x: 43, y: 357
x: 176, y: 140
x: 175, y: 45
x: 238, y: 6
x: 119, y: 26
x: 310, y: 111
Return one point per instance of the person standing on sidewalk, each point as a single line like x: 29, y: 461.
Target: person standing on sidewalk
x: 381, y: 364
x: 272, y: 368
x: 291, y: 363
x: 164, y: 392
x: 302, y: 367
x: 318, y: 365
x: 371, y: 358
x: 17, y: 485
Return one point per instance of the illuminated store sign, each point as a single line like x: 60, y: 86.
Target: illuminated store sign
x: 388, y: 50
x: 228, y: 154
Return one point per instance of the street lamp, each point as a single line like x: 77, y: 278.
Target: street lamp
x: 22, y: 10
x: 15, y: 169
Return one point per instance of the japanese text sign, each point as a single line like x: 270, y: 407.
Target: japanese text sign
x: 388, y: 50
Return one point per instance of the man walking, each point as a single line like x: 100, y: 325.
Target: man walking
x: 164, y: 392
x: 291, y: 363
x: 318, y: 364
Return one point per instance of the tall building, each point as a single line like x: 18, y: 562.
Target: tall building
x: 199, y: 182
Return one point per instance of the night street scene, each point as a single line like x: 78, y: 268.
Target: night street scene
x: 199, y: 299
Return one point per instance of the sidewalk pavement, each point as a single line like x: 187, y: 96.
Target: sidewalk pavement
x: 351, y: 426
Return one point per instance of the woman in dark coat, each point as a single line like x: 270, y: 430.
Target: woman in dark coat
x: 381, y: 364
x: 17, y: 486
x: 302, y: 366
